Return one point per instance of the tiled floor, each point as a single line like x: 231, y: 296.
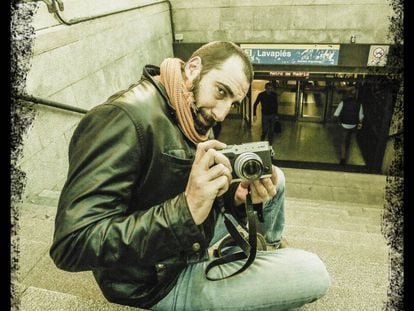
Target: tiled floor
x: 298, y: 141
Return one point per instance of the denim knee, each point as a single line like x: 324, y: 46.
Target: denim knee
x: 317, y: 280
x: 319, y: 275
x: 280, y: 180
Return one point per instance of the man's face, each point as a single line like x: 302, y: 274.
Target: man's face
x: 216, y: 91
x: 269, y: 89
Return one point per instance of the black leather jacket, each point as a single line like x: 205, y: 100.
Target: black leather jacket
x: 122, y: 212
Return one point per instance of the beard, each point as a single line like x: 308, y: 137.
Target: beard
x: 203, y: 120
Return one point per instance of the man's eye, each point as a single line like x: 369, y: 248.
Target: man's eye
x: 221, y: 91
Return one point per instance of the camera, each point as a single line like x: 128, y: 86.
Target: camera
x: 250, y: 161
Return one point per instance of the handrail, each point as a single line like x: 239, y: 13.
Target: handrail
x: 57, y: 5
x: 50, y: 103
x: 54, y: 6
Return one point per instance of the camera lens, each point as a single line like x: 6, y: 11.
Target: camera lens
x: 248, y: 166
x: 252, y: 169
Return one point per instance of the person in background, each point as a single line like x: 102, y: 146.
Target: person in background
x: 145, y: 191
x: 350, y: 113
x: 268, y: 100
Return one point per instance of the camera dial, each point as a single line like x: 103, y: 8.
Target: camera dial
x: 248, y: 166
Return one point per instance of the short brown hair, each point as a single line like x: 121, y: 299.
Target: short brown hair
x: 215, y: 53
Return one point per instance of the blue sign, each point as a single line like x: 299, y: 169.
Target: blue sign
x: 292, y: 55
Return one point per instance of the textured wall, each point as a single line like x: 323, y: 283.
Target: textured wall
x: 82, y: 65
x: 283, y: 21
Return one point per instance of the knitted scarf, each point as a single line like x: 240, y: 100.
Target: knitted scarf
x: 181, y: 97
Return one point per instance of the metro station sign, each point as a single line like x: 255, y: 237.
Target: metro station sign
x: 295, y: 74
x: 293, y: 54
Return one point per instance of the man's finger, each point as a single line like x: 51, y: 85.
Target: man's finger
x: 218, y: 170
x: 212, y: 157
x: 269, y: 186
x: 203, y: 147
x: 274, y: 175
x: 245, y: 184
x: 221, y: 184
x: 260, y: 189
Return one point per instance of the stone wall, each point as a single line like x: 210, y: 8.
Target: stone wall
x: 82, y: 65
x: 283, y: 21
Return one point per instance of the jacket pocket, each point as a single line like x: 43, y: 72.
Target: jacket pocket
x: 177, y: 156
x: 169, y: 175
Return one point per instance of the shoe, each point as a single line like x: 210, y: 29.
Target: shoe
x: 342, y: 162
x: 282, y: 244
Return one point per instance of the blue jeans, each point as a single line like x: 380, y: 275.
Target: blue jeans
x: 277, y: 280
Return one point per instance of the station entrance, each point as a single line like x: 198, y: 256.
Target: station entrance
x: 313, y: 98
x: 306, y: 106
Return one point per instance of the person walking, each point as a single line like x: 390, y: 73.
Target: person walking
x: 268, y: 99
x: 350, y: 113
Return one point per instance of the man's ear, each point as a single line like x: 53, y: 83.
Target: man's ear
x: 193, y: 68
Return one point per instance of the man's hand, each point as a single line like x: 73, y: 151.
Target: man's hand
x: 262, y: 189
x: 209, y: 178
x: 359, y: 126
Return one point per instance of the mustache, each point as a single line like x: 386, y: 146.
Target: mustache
x: 203, y: 121
x: 208, y: 118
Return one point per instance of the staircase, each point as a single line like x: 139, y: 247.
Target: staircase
x: 347, y: 238
x: 41, y: 286
x: 336, y: 215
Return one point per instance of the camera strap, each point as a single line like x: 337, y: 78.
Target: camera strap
x: 248, y: 247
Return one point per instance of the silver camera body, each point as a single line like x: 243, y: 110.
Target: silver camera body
x: 250, y: 161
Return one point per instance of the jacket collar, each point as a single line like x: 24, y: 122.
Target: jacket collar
x: 150, y: 71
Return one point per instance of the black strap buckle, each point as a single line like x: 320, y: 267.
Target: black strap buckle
x: 249, y: 247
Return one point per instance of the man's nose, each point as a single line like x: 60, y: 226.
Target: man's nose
x: 221, y: 110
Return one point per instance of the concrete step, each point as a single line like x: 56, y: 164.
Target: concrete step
x: 47, y: 276
x: 352, y: 258
x: 357, y: 207
x: 36, y: 268
x: 369, y: 182
x: 346, y: 236
x: 40, y: 299
x: 335, y: 216
x: 348, y: 239
x: 348, y: 299
x: 35, y: 234
x: 45, y: 197
x: 351, y: 265
x: 37, y: 210
x: 374, y: 240
x: 344, y: 210
x: 335, y: 186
